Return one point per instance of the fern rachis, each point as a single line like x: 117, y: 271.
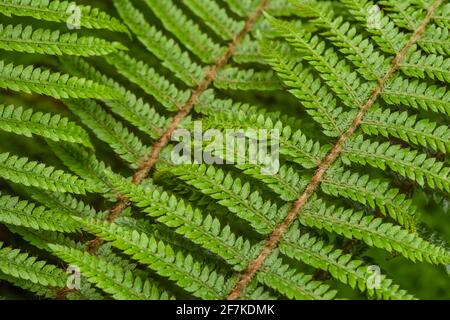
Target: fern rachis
x: 366, y: 122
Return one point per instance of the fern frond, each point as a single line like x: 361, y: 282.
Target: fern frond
x: 86, y: 166
x: 108, y: 129
x: 329, y: 85
x: 442, y: 16
x: 292, y: 284
x: 408, y: 163
x: 248, y: 52
x: 65, y: 204
x: 404, y: 14
x: 46, y: 41
x: 189, y: 222
x: 373, y: 192
x: 37, y: 289
x: 370, y: 63
x: 294, y: 145
x: 436, y: 41
x: 388, y: 37
x: 193, y: 276
x: 238, y: 197
x: 372, y: 231
x: 422, y: 66
x: 255, y: 292
x: 105, y: 256
x: 215, y: 17
x: 150, y: 81
x: 187, y: 31
x: 42, y: 240
x: 61, y: 11
x: 127, y: 105
x: 121, y: 284
x: 18, y: 212
x: 30, y: 79
x: 241, y: 8
x: 417, y: 94
x: 312, y: 251
x: 164, y: 48
x: 26, y: 122
x: 287, y: 182
x: 316, y: 98
x: 334, y: 71
x: 35, y: 174
x: 408, y: 128
x: 21, y: 265
x: 237, y: 79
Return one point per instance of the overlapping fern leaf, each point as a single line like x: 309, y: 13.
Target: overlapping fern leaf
x: 359, y: 92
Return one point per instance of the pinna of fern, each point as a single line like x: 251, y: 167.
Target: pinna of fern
x: 368, y: 114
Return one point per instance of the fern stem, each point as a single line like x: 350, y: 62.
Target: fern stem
x: 274, y: 239
x: 147, y: 165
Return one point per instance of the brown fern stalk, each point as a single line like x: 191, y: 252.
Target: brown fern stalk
x: 273, y: 240
x: 148, y: 164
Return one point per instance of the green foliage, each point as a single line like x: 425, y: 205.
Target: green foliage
x: 20, y: 265
x: 358, y: 91
x: 18, y: 38
x: 30, y: 79
x: 24, y: 122
x: 121, y: 284
x: 61, y: 11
